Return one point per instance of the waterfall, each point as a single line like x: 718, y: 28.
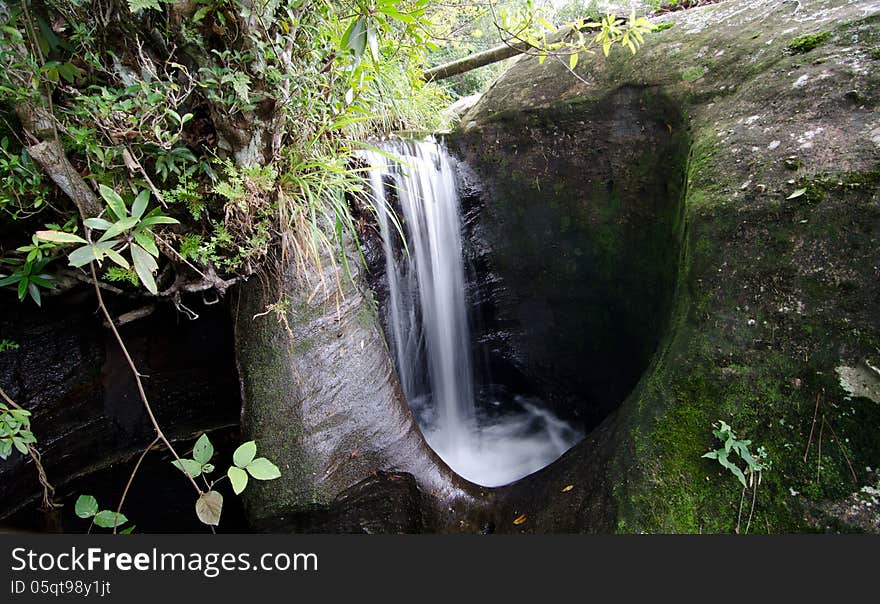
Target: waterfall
x: 426, y: 310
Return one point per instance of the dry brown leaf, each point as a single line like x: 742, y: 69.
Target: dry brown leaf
x: 568, y: 488
x: 520, y: 519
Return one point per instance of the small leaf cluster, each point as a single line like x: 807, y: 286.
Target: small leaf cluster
x: 86, y: 507
x: 755, y: 463
x: 24, y: 192
x: 245, y: 462
x: 129, y: 228
x: 209, y: 505
x: 15, y: 431
x: 8, y: 345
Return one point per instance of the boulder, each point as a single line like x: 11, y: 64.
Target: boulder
x: 727, y: 177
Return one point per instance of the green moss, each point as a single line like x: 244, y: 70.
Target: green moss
x: 664, y: 26
x: 875, y: 53
x: 808, y: 42
x: 692, y: 74
x: 817, y: 188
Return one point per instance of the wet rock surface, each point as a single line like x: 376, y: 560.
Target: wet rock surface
x: 777, y: 283
x: 575, y: 229
x: 385, y: 503
x: 322, y: 397
x: 87, y: 416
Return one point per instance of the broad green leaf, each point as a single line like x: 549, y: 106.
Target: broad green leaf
x: 14, y: 278
x: 99, y: 224
x: 146, y: 241
x: 109, y: 519
x: 190, y: 466
x: 355, y: 38
x: 201, y: 14
x: 114, y: 202
x: 34, y: 292
x: 86, y: 506
x: 120, y: 226
x: 151, y: 220
x: 203, y: 450
x: 573, y: 60
x: 144, y: 265
x: 127, y: 531
x: 238, y: 478
x: 263, y: 469
x: 117, y: 258
x: 81, y: 256
x: 140, y: 204
x: 209, y: 506
x: 245, y: 454
x: 59, y: 237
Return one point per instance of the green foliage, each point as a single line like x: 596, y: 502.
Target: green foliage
x: 187, y: 193
x: 808, y: 42
x: 130, y: 228
x: 86, y: 507
x: 8, y: 345
x: 244, y: 462
x: 23, y: 193
x: 15, y: 431
x: 118, y: 274
x: 755, y: 464
x: 29, y: 277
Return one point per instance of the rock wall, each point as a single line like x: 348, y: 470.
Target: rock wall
x: 87, y: 417
x: 777, y: 287
x: 321, y: 396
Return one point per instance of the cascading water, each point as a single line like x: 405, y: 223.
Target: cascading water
x: 427, y: 316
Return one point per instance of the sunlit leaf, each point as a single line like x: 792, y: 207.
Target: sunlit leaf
x: 238, y: 478
x: 86, y: 506
x: 140, y: 203
x: 263, y: 469
x: 144, y: 265
x: 245, y: 454
x: 59, y: 237
x: 81, y: 256
x: 114, y: 202
x: 190, y: 466
x: 109, y: 519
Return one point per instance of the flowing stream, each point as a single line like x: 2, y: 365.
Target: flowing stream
x: 499, y: 437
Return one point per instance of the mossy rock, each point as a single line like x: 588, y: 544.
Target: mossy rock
x: 776, y: 288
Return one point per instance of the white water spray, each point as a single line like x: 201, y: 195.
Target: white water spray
x: 428, y: 320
